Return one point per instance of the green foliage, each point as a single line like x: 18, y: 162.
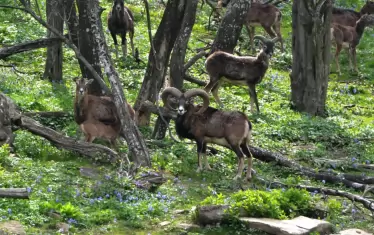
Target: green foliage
x: 277, y: 204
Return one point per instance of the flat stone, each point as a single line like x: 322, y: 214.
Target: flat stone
x: 164, y: 223
x: 188, y: 227
x: 179, y: 212
x: 62, y: 227
x: 298, y: 226
x: 12, y: 227
x: 354, y: 231
x: 89, y: 172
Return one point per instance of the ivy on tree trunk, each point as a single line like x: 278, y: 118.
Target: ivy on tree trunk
x: 87, y: 45
x: 231, y: 26
x: 178, y: 55
x: 137, y: 148
x: 53, y: 65
x: 311, y: 45
x: 163, y: 42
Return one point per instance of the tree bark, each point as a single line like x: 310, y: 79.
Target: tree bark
x: 137, y: 147
x: 178, y: 55
x: 163, y: 42
x: 28, y: 46
x: 87, y: 44
x: 311, y: 45
x: 6, y: 134
x: 71, y: 20
x: 53, y: 65
x: 231, y: 26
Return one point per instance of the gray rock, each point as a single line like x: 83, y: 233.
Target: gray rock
x: 62, y: 227
x: 353, y: 231
x: 12, y: 227
x: 210, y: 214
x: 164, y: 223
x: 89, y: 172
x: 298, y: 226
x: 188, y: 227
x: 180, y: 212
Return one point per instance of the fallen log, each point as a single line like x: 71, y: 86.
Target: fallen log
x: 267, y: 156
x: 367, y: 203
x: 47, y: 114
x: 18, y: 193
x: 27, y: 46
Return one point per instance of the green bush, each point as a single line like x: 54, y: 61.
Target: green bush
x: 277, y: 204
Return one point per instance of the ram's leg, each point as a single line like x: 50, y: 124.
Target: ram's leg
x: 207, y: 166
x: 200, y: 151
x: 253, y: 97
x: 247, y: 152
x: 337, y: 52
x: 215, y: 94
x: 276, y: 27
x: 124, y: 45
x: 240, y: 156
x: 131, y: 35
x: 115, y: 43
x: 350, y: 54
x: 354, y: 59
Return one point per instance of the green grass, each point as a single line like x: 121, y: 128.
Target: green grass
x: 113, y: 205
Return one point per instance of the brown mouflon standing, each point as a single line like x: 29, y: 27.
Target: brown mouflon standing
x: 205, y: 124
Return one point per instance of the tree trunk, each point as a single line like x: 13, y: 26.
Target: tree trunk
x: 163, y: 42
x: 6, y: 134
x: 71, y: 20
x: 88, y: 46
x: 177, y: 60
x: 137, y: 148
x: 311, y: 45
x: 231, y: 26
x: 53, y: 65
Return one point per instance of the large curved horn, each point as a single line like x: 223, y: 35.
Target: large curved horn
x: 261, y: 38
x: 170, y: 91
x: 202, y: 94
x: 275, y: 40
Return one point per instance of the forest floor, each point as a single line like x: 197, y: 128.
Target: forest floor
x: 107, y: 204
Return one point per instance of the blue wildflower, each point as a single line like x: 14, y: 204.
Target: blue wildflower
x: 150, y: 208
x: 49, y: 189
x: 28, y: 189
x: 9, y: 211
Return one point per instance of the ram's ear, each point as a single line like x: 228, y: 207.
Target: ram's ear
x: 89, y: 82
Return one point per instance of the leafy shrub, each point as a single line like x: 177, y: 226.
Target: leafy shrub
x: 277, y: 204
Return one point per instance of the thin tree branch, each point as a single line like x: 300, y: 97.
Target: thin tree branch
x: 193, y: 60
x: 149, y: 26
x: 189, y: 78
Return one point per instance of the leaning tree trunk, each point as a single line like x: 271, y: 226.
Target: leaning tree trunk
x: 231, y: 26
x: 53, y: 65
x: 137, y: 148
x: 158, y: 58
x: 311, y: 45
x: 6, y: 134
x: 177, y: 60
x: 88, y: 45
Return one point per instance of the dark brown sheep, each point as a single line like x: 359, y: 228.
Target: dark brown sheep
x: 121, y: 21
x: 205, y: 124
x: 239, y: 70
